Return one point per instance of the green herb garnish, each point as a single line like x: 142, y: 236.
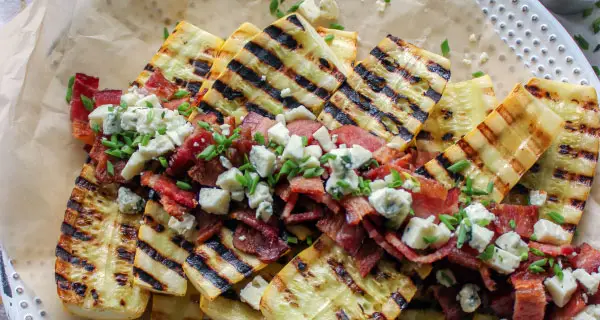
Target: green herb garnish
x: 163, y: 162
x: 488, y: 253
x: 336, y: 26
x: 449, y: 221
x: 558, y: 271
x: 326, y: 157
x: 258, y: 137
x: 459, y: 166
x: 445, y: 48
x: 583, y: 44
x: 204, y: 125
x: 88, y: 104
x: 512, y: 224
x: 536, y: 252
x: 556, y: 217
x: 180, y: 94
x: 165, y: 33
x: 70, y: 89
x: 430, y: 239
x: 478, y: 74
x: 329, y: 38
x: 183, y: 185
x: 295, y: 6
x: 110, y: 168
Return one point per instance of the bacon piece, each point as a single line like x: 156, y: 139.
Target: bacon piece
x: 368, y: 256
x: 530, y: 299
x: 380, y: 240
x: 209, y: 118
x: 446, y: 297
x: 312, y: 186
x: 429, y: 188
x: 209, y: 225
x: 490, y: 284
x: 295, y: 218
x: 411, y: 255
x: 206, y: 172
x: 304, y: 128
x: 588, y: 259
x: 84, y: 85
x: 173, y: 208
x: 349, y: 237
x: 175, y: 103
x: 267, y: 249
x: 99, y: 156
x: 257, y: 123
x: 524, y: 216
x: 467, y: 258
x: 425, y: 205
x: 283, y: 190
x: 250, y: 219
x: 289, y: 205
x: 185, y: 156
x: 160, y: 86
x: 107, y: 97
x: 328, y: 201
x: 552, y: 250
x: 350, y: 135
x: 571, y: 309
x: 423, y: 157
x: 386, y: 154
x: 165, y: 187
x: 502, y: 305
x: 81, y: 131
x: 356, y: 209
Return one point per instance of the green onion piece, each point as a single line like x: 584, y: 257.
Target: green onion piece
x: 88, y: 104
x: 536, y: 252
x: 430, y: 239
x: 596, y: 29
x: 150, y: 116
x: 478, y: 74
x: 551, y: 262
x: 295, y: 6
x: 336, y: 26
x: 556, y: 217
x: 110, y: 144
x: 279, y: 150
x: 70, y: 89
x: 329, y: 38
x: 484, y: 222
x: 346, y: 159
x: 583, y: 44
x: 411, y: 212
x: 459, y: 166
x: 208, y: 153
x: 258, y: 137
x: 163, y: 162
x: 540, y: 263
x: 204, y: 125
x: 95, y: 127
x: 536, y: 269
x: 304, y: 141
x: 445, y: 48
x: 588, y: 12
x: 449, y: 221
x: 145, y: 140
x: 183, y: 185
x: 596, y: 70
x: 291, y: 239
x: 512, y: 224
x: 313, y: 172
x: 309, y: 240
x: 149, y: 105
x: 558, y: 271
x: 162, y: 130
x: 485, y: 203
x: 488, y: 253
x: 370, y: 163
x: 326, y: 157
x: 343, y: 184
x: 165, y: 33
x: 469, y: 185
x: 242, y: 180
x: 127, y: 150
x: 462, y: 236
x: 247, y: 167
x: 123, y: 105
x: 115, y: 153
x: 279, y: 14
x: 273, y: 6
x: 490, y: 187
x: 110, y: 168
x: 533, y: 237
x: 387, y: 1
x: 253, y: 184
x: 71, y: 82
x: 180, y: 94
x: 524, y: 256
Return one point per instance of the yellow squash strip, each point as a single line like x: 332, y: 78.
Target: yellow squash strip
x: 343, y: 43
x: 567, y: 169
x: 286, y: 65
x: 177, y: 308
x: 160, y: 253
x: 390, y: 93
x: 462, y: 107
x: 501, y: 148
x: 228, y: 309
x: 322, y: 282
x: 185, y: 58
x: 94, y: 265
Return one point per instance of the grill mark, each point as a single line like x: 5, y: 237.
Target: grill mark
x: 85, y: 184
x: 300, y: 265
x: 294, y: 19
x: 121, y: 278
x: 375, y: 82
x: 125, y: 254
x: 180, y: 241
x: 64, y: 284
x: 399, y: 300
x: 392, y: 66
x: 341, y: 315
x: 448, y: 136
x: 424, y: 135
x: 445, y: 163
x: 377, y: 316
x: 422, y: 171
x: 405, y: 134
x: 230, y: 257
x: 579, y: 204
x: 505, y: 114
x: 569, y: 176
x: 441, y: 71
x: 149, y: 67
x: 344, y: 276
x: 149, y: 279
x: 278, y: 35
x: 207, y: 108
x: 158, y: 257
x: 150, y: 222
x: 74, y: 205
x: 180, y: 82
x: 95, y: 295
x: 79, y: 288
x: 309, y: 85
x: 252, y: 77
x: 197, y: 262
x: 128, y: 232
x: 201, y: 68
x: 338, y: 114
x: 66, y: 256
x: 71, y: 231
x: 418, y: 113
x: 264, y: 55
x: 253, y: 107
x: 226, y: 91
x: 569, y: 126
x: 565, y: 149
x: 432, y: 94
x: 193, y: 87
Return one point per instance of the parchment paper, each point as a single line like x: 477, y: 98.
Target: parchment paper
x: 114, y: 39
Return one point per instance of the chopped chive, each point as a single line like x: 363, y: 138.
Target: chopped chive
x: 165, y: 33
x: 295, y: 6
x: 462, y: 236
x: 536, y: 252
x: 387, y: 1
x: 163, y: 162
x: 273, y: 6
x: 558, y: 271
x: 512, y: 224
x: 150, y: 116
x: 149, y: 105
x: 445, y: 48
x: 123, y: 105
x: 253, y: 185
x: 488, y: 253
x: 279, y: 14
x: 484, y: 222
x: 551, y: 262
x: 304, y: 140
x: 490, y: 187
x: 587, y: 12
x: 291, y: 239
x: 313, y: 172
x: 208, y: 153
x: 180, y: 94
x: 583, y: 44
x: 183, y: 185
x: 115, y: 153
x: 258, y: 137
x: 430, y: 239
x: 204, y: 125
x: 596, y: 28
x: 459, y: 166
x: 533, y: 237
x: 540, y: 263
x: 326, y: 157
x: 110, y: 168
x: 469, y: 185
x: 329, y: 38
x: 70, y: 89
x: 127, y: 150
x: 336, y: 26
x: 524, y: 256
x: 343, y: 184
x: 596, y: 70
x: 95, y: 127
x: 309, y: 240
x: 449, y: 221
x: 110, y: 144
x: 478, y: 74
x: 241, y: 179
x: 370, y: 163
x: 145, y: 140
x: 556, y: 217
x: 88, y: 104
x: 536, y: 269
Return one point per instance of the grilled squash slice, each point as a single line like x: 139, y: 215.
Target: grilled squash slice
x: 216, y: 265
x: 501, y: 148
x: 286, y: 65
x: 185, y: 58
x: 567, y: 169
x: 390, y: 93
x: 322, y: 282
x: 94, y: 265
x: 177, y: 308
x: 160, y: 254
x: 344, y: 44
x: 462, y: 107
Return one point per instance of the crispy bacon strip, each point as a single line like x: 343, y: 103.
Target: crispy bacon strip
x: 467, y: 258
x: 350, y: 135
x: 185, y: 156
x: 552, y: 250
x: 524, y: 217
x: 502, y: 304
x: 349, y: 237
x: 571, y: 309
x: 107, y: 97
x: 588, y: 259
x: 368, y: 256
x: 87, y: 86
x: 446, y: 297
x: 328, y: 201
x: 385, y: 155
x: 311, y: 186
x: 206, y: 173
x: 380, y: 240
x: 490, y: 284
x: 304, y: 128
x: 356, y: 209
x: 530, y: 299
x: 411, y: 255
x: 292, y: 198
x: 173, y: 104
x: 173, y: 208
x: 167, y: 188
x: 257, y: 123
x: 250, y: 219
x: 252, y: 241
x: 209, y: 225
x: 160, y: 86
x: 313, y: 215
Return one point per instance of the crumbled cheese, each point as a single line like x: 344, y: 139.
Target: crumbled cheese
x: 263, y: 78
x: 473, y: 38
x: 445, y: 277
x: 591, y: 312
x: 334, y: 138
x: 311, y: 162
x: 476, y: 212
x: 253, y: 291
x: 480, y: 237
x: 299, y: 113
x: 264, y: 211
x: 287, y: 92
x: 537, y: 197
x: 99, y: 114
x: 213, y: 200
x: 329, y: 10
x: 511, y: 242
x: 227, y: 180
x: 129, y: 202
x: 263, y: 160
x: 294, y: 149
x: 391, y: 203
x: 280, y: 118
x: 313, y: 151
x: 183, y: 227
x: 484, y: 57
x: 237, y: 195
x: 378, y: 184
x: 262, y: 193
x: 589, y: 281
x: 341, y: 172
x: 416, y: 230
x: 279, y: 134
x: 549, y: 232
x: 225, y: 129
x: 225, y: 162
x: 469, y: 298
x: 381, y: 5
x: 561, y: 290
x: 467, y: 62
x: 504, y: 261
x: 323, y: 138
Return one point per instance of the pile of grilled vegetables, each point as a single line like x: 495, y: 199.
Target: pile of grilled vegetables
x: 110, y: 265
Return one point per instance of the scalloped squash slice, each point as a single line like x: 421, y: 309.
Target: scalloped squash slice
x: 462, y: 107
x: 344, y: 44
x: 322, y: 282
x: 498, y: 152
x: 566, y: 171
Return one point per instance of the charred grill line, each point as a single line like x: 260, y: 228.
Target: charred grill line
x: 149, y: 67
x: 448, y: 136
x: 64, y: 284
x: 74, y: 205
x: 399, y: 300
x: 338, y: 114
x: 294, y: 19
x: 125, y: 254
x: 179, y: 241
x: 197, y: 262
x: 128, y: 232
x: 264, y: 55
x: 85, y: 184
x: 341, y: 315
x: 278, y: 35
x: 344, y: 276
x: 566, y: 149
x: 252, y: 107
x: 193, y: 87
x: 71, y: 231
x: 66, y: 256
x: 149, y: 279
x: 158, y: 257
x: 433, y: 95
x: 121, y: 278
x: 445, y: 163
x: 205, y: 107
x: 226, y: 91
x: 230, y: 257
x: 424, y: 135
x: 201, y: 68
x: 441, y: 71
x: 569, y: 176
x: 391, y: 66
